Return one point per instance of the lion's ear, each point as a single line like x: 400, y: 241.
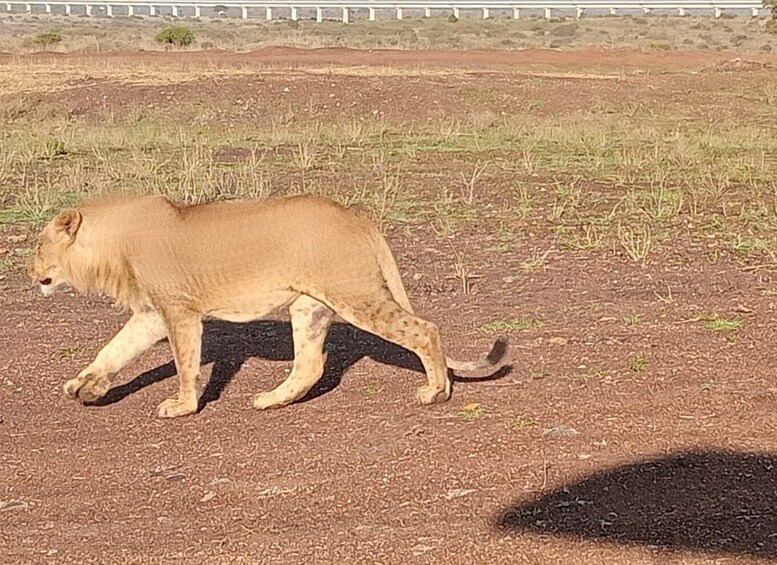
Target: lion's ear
x: 68, y: 221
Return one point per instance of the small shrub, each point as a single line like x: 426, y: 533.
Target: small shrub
x: 180, y: 36
x: 453, y: 19
x: 46, y: 38
x: 566, y: 30
x: 54, y: 147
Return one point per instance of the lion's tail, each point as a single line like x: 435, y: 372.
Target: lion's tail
x: 388, y: 267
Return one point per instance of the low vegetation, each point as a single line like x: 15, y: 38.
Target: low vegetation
x: 178, y: 36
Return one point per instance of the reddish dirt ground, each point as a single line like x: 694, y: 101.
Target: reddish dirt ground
x: 573, y: 456
x: 591, y: 57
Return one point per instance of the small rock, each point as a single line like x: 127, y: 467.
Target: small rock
x: 607, y: 319
x: 558, y: 341
x: 286, y: 89
x: 458, y: 493
x: 561, y: 430
x: 420, y: 549
x: 13, y: 505
x: 210, y: 495
x: 17, y: 238
x: 271, y: 490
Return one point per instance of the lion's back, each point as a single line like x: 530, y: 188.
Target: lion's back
x: 239, y: 246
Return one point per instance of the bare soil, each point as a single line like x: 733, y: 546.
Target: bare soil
x: 601, y: 442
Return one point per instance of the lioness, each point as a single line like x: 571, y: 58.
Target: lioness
x: 172, y: 265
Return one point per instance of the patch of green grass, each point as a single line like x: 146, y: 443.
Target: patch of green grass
x: 632, y: 319
x: 371, y: 390
x: 68, y: 352
x: 745, y: 246
x: 505, y: 241
x: 5, y: 264
x: 716, y: 322
x: 35, y: 204
x: 536, y: 262
x: 515, y: 325
x: 471, y: 411
x: 638, y: 363
x: 524, y: 422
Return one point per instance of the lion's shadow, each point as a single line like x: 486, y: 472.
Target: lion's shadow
x: 228, y: 346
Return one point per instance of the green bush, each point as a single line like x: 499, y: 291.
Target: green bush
x: 453, y: 19
x: 46, y: 38
x: 180, y: 36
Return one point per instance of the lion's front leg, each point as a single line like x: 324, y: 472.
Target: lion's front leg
x: 140, y: 332
x: 184, y: 327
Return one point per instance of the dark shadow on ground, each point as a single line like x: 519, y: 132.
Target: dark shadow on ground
x: 228, y: 346
x: 713, y: 501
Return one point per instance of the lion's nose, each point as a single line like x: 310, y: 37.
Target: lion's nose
x: 45, y: 282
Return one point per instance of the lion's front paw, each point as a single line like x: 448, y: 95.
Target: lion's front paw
x: 70, y: 388
x: 87, y: 388
x: 173, y: 407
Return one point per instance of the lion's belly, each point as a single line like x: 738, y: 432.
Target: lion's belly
x: 251, y: 307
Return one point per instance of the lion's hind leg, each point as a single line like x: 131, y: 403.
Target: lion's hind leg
x: 380, y: 314
x: 310, y: 321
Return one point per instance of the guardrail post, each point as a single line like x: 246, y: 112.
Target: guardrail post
x: 130, y: 11
x: 198, y: 11
x: 427, y: 12
x: 67, y: 9
x: 109, y: 10
x: 456, y: 12
x: 399, y: 13
x: 756, y: 11
x: 319, y: 15
x: 547, y: 13
x: 516, y: 13
x: 372, y: 14
x: 680, y: 11
x: 718, y: 12
x: 88, y: 9
x: 152, y: 10
x: 646, y: 10
x: 268, y: 13
x: 612, y: 11
x: 294, y: 16
x: 175, y: 11
x: 244, y: 13
x: 579, y: 12
x: 345, y: 15
x: 48, y: 8
x: 485, y: 13
x: 27, y: 9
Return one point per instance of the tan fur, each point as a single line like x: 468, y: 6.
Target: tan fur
x: 173, y: 265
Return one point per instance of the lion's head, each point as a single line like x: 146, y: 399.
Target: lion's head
x: 47, y: 265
